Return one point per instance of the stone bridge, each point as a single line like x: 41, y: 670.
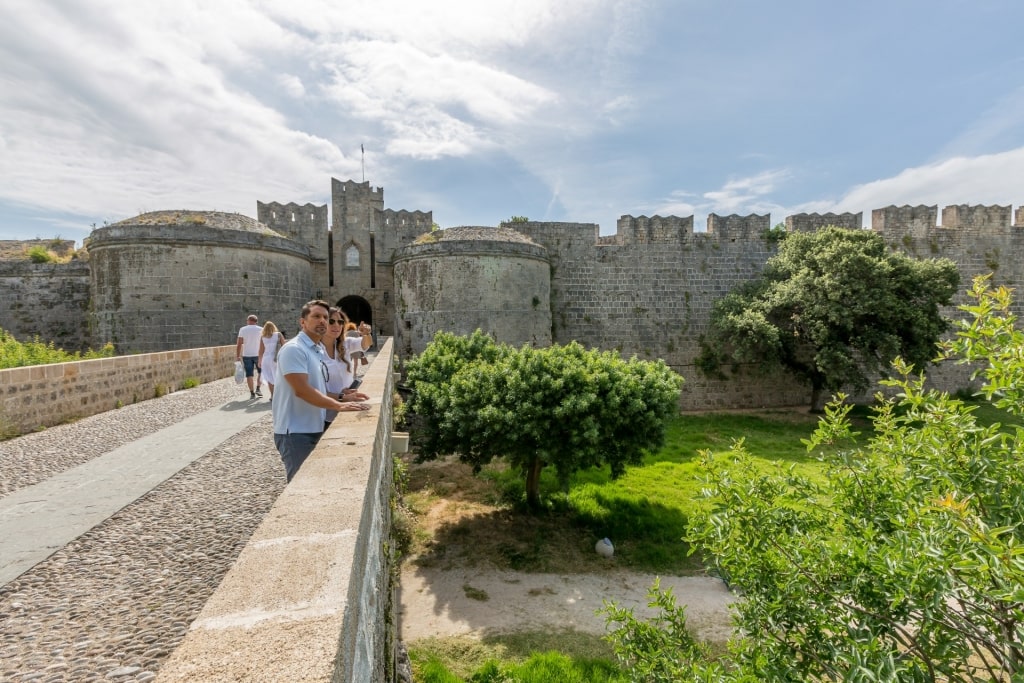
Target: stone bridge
x: 158, y: 541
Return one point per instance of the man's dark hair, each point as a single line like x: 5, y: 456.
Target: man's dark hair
x: 308, y: 306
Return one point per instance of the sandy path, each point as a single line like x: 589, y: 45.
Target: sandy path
x: 437, y: 602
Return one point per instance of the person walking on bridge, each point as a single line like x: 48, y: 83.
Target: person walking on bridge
x: 247, y: 350
x: 301, y: 401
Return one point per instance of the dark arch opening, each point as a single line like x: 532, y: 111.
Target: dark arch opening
x: 357, y: 309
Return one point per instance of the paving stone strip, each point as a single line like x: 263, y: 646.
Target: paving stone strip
x: 112, y: 604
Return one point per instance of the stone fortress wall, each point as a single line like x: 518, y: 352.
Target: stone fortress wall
x: 50, y: 300
x: 646, y: 290
x: 174, y: 280
x: 649, y: 289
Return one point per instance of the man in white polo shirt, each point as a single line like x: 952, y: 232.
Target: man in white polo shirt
x: 247, y: 350
x: 301, y: 402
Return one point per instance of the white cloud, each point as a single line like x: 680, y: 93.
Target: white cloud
x: 292, y: 85
x: 744, y: 195
x: 124, y: 104
x: 985, y: 179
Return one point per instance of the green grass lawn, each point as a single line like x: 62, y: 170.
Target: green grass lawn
x: 645, y: 511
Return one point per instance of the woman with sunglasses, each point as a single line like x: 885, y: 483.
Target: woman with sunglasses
x: 338, y: 367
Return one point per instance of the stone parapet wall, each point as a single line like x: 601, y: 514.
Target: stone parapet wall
x: 47, y: 395
x: 310, y: 598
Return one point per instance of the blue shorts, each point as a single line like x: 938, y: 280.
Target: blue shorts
x: 250, y: 364
x: 294, y: 449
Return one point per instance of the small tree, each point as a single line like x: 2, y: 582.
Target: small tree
x: 562, y: 406
x: 907, y: 564
x: 833, y: 307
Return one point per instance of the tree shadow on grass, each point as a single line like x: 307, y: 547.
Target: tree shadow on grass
x: 647, y: 537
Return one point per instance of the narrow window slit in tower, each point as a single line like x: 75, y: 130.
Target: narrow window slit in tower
x: 373, y: 263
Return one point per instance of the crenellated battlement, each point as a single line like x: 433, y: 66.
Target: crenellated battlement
x: 354, y: 189
x: 980, y: 218
x: 897, y: 223
x: 809, y: 222
x: 655, y: 229
x: 304, y: 223
x: 276, y: 213
x: 734, y: 227
x: 401, y: 218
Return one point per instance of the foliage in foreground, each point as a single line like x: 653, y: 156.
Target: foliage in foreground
x: 907, y: 564
x: 832, y: 307
x: 542, y: 667
x: 562, y: 405
x: 15, y: 354
x: 514, y: 658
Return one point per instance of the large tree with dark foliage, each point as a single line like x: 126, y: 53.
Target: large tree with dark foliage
x: 833, y: 307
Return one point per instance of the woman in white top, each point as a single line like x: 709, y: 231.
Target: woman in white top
x: 339, y: 368
x: 357, y: 340
x: 270, y: 343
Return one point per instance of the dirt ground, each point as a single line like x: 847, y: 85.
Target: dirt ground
x: 458, y: 580
x: 478, y: 602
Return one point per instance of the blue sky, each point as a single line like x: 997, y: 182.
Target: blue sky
x: 575, y: 110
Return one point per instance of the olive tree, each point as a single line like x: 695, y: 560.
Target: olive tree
x: 905, y: 564
x: 563, y: 406
x: 833, y: 307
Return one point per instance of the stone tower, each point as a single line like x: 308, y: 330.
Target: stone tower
x: 364, y: 237
x: 463, y: 279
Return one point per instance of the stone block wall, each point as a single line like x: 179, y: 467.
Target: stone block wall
x: 649, y: 293
x: 47, y: 395
x: 46, y: 299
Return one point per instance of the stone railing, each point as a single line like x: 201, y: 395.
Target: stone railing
x: 310, y: 598
x: 47, y: 395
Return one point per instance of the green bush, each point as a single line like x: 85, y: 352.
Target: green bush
x: 40, y: 254
x: 15, y: 354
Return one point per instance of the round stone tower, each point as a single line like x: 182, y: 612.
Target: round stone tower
x: 461, y: 279
x: 170, y: 280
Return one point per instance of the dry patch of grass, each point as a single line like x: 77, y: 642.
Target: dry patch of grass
x: 460, y: 521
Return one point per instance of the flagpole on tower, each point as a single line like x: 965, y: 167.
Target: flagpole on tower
x: 362, y: 161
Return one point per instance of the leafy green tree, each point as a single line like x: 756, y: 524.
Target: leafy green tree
x: 563, y: 406
x: 907, y: 564
x: 832, y: 307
